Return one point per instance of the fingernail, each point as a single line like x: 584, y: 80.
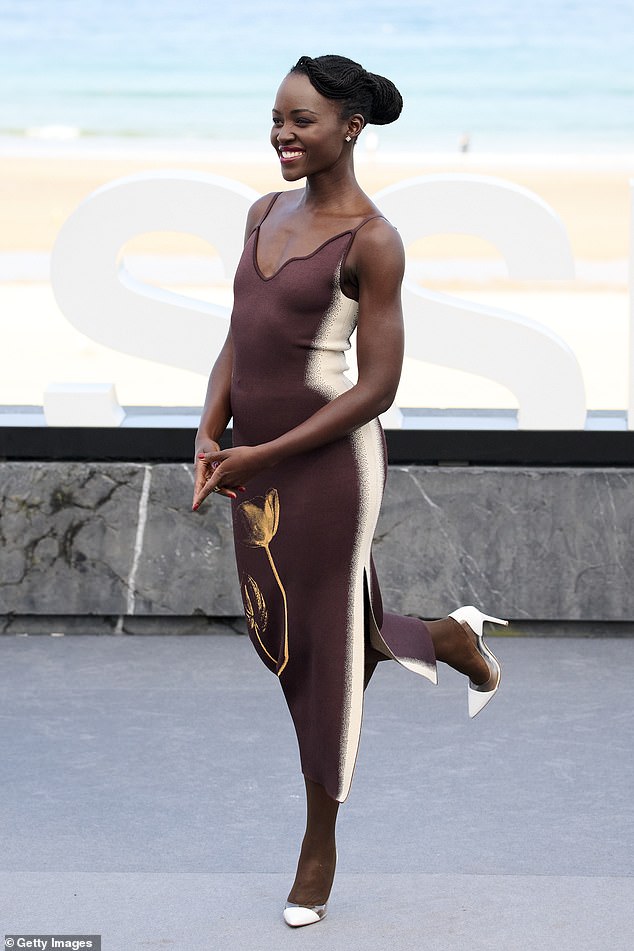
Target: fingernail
x: 242, y: 488
x: 194, y: 507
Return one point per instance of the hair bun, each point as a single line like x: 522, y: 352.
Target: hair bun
x: 387, y: 102
x: 336, y: 77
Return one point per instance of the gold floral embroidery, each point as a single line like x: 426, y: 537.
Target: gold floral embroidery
x: 260, y: 524
x: 255, y: 611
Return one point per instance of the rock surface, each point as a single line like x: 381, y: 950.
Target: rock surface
x: 119, y: 540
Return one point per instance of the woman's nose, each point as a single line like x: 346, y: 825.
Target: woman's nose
x: 284, y: 134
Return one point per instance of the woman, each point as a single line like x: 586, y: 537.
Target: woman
x: 307, y: 469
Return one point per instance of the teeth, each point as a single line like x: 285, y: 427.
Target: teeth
x: 286, y: 153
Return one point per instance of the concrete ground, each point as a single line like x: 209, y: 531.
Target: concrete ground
x: 151, y: 794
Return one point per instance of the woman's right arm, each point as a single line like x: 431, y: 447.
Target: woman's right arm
x: 217, y: 409
x: 215, y: 415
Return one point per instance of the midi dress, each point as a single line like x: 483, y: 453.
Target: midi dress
x: 303, y: 529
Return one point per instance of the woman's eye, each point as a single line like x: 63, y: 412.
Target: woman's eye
x: 276, y: 121
x: 302, y: 121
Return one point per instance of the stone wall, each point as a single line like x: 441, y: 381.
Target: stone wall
x: 118, y: 541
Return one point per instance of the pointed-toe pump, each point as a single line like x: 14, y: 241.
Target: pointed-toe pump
x: 299, y: 915
x: 480, y: 694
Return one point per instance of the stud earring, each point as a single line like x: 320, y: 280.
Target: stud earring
x: 348, y: 138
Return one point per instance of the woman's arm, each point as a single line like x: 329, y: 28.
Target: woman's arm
x: 377, y: 263
x: 215, y: 416
x: 217, y: 409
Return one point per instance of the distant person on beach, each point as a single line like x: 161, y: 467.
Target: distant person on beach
x: 308, y: 465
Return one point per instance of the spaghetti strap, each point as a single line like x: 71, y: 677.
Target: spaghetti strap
x: 364, y: 222
x: 268, y: 208
x: 353, y: 233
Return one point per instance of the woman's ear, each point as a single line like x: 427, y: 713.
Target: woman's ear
x: 355, y: 125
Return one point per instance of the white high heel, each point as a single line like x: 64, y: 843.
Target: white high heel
x: 478, y: 696
x: 298, y: 915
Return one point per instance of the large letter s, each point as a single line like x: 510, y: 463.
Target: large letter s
x: 526, y: 357
x: 101, y: 299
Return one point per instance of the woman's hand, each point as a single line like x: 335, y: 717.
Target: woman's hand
x: 225, y: 470
x: 203, y: 471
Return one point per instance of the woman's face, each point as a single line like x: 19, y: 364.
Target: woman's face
x: 308, y: 132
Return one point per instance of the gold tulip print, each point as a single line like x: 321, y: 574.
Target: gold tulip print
x: 260, y: 523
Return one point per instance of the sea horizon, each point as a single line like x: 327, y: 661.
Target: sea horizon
x: 557, y: 77
x: 547, y: 90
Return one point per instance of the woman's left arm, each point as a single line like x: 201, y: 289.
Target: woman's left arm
x: 377, y: 263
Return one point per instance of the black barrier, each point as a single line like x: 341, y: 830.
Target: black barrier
x: 405, y: 446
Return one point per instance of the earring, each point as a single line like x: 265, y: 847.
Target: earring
x: 348, y: 138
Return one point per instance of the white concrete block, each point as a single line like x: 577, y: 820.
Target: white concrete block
x: 82, y: 404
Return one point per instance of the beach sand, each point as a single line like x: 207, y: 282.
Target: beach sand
x: 38, y: 194
x: 590, y: 313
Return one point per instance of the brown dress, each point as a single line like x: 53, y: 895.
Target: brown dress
x: 303, y: 530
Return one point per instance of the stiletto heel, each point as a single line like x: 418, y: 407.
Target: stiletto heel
x: 298, y: 915
x: 480, y: 694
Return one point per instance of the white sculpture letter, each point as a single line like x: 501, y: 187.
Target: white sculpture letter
x: 99, y: 297
x: 526, y: 357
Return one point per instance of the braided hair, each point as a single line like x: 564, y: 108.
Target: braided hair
x: 374, y: 97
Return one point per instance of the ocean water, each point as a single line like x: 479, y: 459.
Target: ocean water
x: 552, y: 75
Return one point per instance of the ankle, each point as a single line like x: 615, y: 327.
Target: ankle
x: 315, y: 874
x: 455, y: 644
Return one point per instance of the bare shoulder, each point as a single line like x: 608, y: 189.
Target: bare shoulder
x: 257, y: 211
x: 378, y: 243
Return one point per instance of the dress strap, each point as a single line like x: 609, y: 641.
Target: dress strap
x: 268, y: 208
x: 352, y: 234
x: 364, y: 222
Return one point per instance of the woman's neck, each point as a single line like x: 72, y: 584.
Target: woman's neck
x: 336, y: 188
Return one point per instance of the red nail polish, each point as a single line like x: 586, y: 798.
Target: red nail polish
x: 194, y: 507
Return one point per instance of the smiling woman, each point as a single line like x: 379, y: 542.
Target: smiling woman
x: 344, y: 91
x: 309, y: 453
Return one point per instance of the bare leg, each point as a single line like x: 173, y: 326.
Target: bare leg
x: 316, y: 866
x: 455, y: 644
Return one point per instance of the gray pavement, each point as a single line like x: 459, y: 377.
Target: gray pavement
x: 151, y: 793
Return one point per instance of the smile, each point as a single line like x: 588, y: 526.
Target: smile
x: 289, y: 155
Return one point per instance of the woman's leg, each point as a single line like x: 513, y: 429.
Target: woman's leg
x: 316, y: 866
x: 318, y: 856
x: 455, y: 644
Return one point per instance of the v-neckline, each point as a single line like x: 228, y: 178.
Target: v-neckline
x: 296, y: 257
